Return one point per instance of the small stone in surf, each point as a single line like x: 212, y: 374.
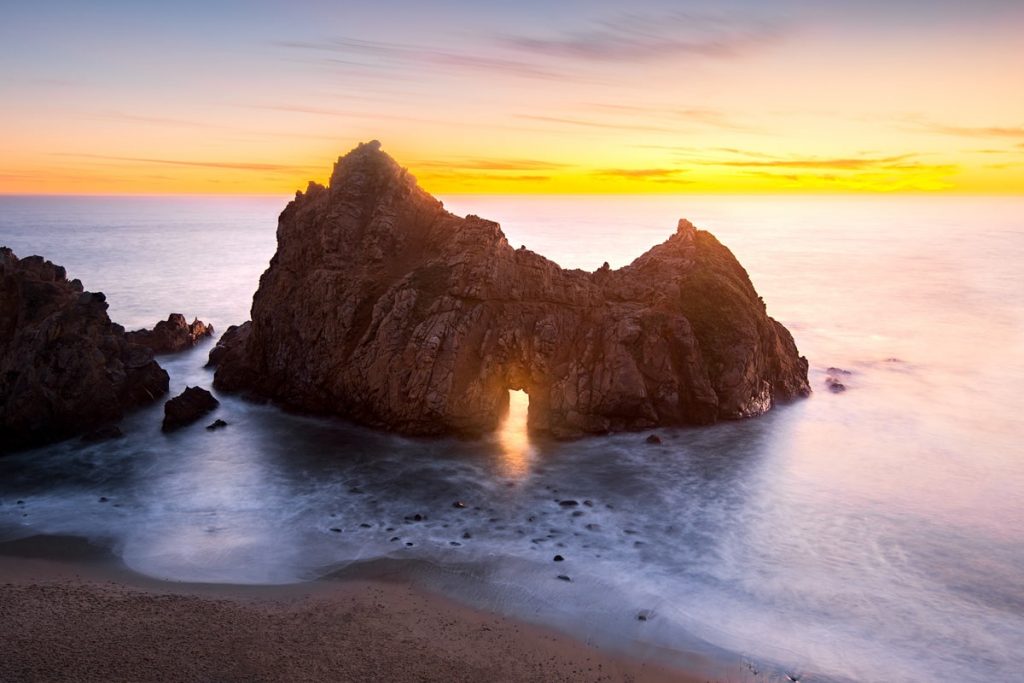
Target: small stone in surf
x: 558, y: 558
x: 653, y: 439
x: 563, y: 577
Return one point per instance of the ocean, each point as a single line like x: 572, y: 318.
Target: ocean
x: 871, y: 535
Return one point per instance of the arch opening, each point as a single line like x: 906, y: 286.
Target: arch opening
x: 514, y: 436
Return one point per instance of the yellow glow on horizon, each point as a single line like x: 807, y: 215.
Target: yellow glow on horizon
x: 725, y: 175
x: 835, y: 100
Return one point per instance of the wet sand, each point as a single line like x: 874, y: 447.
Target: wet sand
x: 69, y: 612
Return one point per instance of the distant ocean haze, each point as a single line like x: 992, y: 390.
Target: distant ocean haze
x: 872, y: 534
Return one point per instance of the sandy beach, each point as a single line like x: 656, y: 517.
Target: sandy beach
x: 75, y: 618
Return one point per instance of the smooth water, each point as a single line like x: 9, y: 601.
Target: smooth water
x: 873, y: 535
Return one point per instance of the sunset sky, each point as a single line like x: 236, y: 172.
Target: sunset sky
x: 524, y: 97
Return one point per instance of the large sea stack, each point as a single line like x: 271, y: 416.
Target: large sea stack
x: 382, y: 307
x: 65, y: 368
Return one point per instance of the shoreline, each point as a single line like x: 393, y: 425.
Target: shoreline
x: 70, y: 610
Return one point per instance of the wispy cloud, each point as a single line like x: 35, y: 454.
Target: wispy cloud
x: 589, y: 123
x: 995, y: 132
x: 232, y: 165
x: 844, y: 164
x: 490, y: 164
x: 648, y: 37
x: 711, y: 118
x: 397, y: 55
x: 640, y: 173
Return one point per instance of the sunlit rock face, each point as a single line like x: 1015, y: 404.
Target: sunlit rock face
x: 381, y: 306
x: 64, y: 367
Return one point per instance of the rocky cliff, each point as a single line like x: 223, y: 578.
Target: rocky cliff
x: 381, y: 306
x: 64, y: 367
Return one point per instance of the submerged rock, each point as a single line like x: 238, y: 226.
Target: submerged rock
x: 187, y: 407
x: 65, y: 368
x: 834, y: 385
x: 172, y: 335
x: 381, y: 306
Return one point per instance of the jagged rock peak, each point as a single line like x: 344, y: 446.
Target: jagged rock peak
x: 381, y: 306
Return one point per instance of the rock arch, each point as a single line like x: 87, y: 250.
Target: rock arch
x: 381, y: 306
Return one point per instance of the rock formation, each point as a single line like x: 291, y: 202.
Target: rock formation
x: 172, y: 335
x: 187, y: 407
x: 381, y: 306
x: 64, y: 367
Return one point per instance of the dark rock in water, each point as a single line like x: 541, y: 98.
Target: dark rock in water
x: 563, y: 577
x: 834, y: 371
x: 216, y: 424
x: 187, y: 407
x: 458, y: 504
x: 65, y: 368
x: 558, y: 558
x: 103, y: 499
x: 335, y: 529
x: 104, y: 433
x: 419, y: 321
x: 568, y: 503
x: 834, y: 385
x: 172, y: 335
x: 653, y: 439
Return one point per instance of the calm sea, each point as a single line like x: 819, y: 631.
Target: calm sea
x: 872, y: 535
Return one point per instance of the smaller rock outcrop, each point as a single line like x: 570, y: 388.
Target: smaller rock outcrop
x: 833, y: 381
x: 65, y: 368
x: 187, y: 407
x: 172, y: 335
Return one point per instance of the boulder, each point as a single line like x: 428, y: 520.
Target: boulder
x: 65, y: 368
x: 172, y: 335
x: 382, y: 307
x: 187, y: 407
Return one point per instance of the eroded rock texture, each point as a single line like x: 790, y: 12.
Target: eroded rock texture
x: 381, y: 306
x: 64, y: 367
x: 172, y: 335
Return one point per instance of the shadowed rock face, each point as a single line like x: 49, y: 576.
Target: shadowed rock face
x: 381, y: 306
x: 64, y: 367
x: 187, y: 407
x: 172, y: 335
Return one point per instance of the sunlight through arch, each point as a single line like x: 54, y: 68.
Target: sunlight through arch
x: 514, y: 437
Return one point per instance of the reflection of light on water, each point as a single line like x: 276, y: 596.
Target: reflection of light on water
x: 513, y: 437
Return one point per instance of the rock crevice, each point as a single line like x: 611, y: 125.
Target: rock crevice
x: 381, y: 306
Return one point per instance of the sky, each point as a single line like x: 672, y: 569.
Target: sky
x: 733, y: 96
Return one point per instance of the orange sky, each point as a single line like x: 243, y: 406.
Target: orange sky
x: 583, y: 98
